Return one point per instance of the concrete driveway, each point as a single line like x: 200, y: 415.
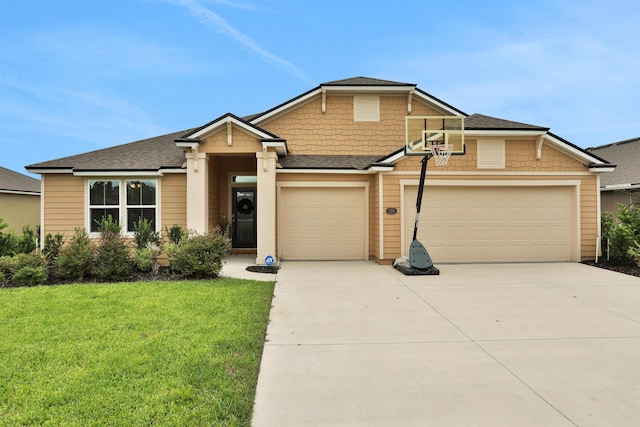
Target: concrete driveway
x: 359, y: 344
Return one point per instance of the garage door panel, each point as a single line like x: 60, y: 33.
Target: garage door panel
x: 485, y: 224
x: 322, y: 223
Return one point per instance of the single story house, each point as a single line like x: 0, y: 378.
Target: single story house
x: 324, y: 176
x: 623, y: 184
x: 19, y: 200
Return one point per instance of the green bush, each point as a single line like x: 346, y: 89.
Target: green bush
x: 622, y: 234
x: 634, y: 253
x: 52, y: 246
x: 33, y: 260
x: 2, y: 278
x: 143, y: 259
x: 113, y: 260
x: 75, y: 260
x: 6, y: 262
x: 27, y: 242
x: 30, y: 276
x: 144, y: 234
x: 8, y: 241
x: 199, y: 255
x: 175, y: 233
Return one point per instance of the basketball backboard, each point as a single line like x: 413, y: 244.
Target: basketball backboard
x: 422, y: 132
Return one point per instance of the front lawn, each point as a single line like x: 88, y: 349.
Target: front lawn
x: 146, y: 353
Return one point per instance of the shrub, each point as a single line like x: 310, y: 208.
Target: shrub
x: 2, y: 278
x: 143, y: 259
x: 174, y: 234
x: 33, y: 259
x: 30, y: 276
x: 27, y: 242
x: 52, y: 246
x: 199, y: 255
x: 75, y: 260
x: 634, y: 253
x: 6, y: 262
x: 8, y: 241
x: 622, y: 234
x: 113, y: 259
x: 144, y: 234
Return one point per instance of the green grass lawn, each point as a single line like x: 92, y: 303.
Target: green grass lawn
x: 130, y: 354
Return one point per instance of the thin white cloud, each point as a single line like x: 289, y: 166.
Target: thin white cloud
x: 219, y: 24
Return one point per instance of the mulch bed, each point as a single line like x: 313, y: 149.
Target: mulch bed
x: 631, y: 270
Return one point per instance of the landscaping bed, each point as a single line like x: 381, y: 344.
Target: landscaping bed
x: 631, y: 270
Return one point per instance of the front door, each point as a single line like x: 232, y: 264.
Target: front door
x: 243, y: 204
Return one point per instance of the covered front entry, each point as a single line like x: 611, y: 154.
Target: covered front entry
x: 322, y: 223
x: 495, y: 223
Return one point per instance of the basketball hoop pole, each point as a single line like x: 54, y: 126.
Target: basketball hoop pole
x: 423, y: 173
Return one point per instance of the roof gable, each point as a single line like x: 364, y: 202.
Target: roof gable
x: 223, y: 120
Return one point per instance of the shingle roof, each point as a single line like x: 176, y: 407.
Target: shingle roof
x: 327, y: 162
x: 481, y: 122
x: 625, y: 154
x: 11, y: 181
x: 155, y: 153
x: 365, y: 81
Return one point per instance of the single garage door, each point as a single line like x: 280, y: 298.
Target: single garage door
x: 493, y: 224
x: 320, y: 223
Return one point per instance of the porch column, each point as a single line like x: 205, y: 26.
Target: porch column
x: 197, y: 191
x: 266, y: 206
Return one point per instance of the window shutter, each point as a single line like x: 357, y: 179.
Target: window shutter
x: 366, y: 108
x: 491, y: 154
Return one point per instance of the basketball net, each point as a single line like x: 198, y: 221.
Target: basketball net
x: 441, y: 153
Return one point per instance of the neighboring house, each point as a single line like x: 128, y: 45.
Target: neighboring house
x: 19, y: 200
x: 623, y: 184
x: 323, y: 176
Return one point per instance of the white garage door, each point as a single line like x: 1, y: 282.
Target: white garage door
x: 319, y: 223
x: 493, y: 224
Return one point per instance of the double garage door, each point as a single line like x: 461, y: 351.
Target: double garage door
x: 323, y: 223
x: 457, y: 223
x: 494, y: 224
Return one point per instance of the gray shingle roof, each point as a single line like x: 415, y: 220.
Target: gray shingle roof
x: 625, y: 154
x: 365, y: 81
x: 327, y: 162
x: 11, y: 181
x: 155, y: 153
x: 481, y: 122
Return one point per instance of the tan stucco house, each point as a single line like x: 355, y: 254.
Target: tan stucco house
x: 19, y: 200
x: 323, y: 176
x: 623, y: 184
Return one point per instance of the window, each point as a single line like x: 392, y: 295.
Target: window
x: 126, y: 201
x: 104, y: 200
x: 366, y: 108
x: 141, y: 202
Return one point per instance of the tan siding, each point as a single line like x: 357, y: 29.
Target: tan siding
x: 520, y: 156
x: 19, y: 210
x: 241, y: 142
x: 374, y: 218
x: 174, y: 200
x: 63, y: 204
x: 308, y: 131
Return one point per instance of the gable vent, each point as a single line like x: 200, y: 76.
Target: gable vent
x: 491, y: 154
x: 366, y: 108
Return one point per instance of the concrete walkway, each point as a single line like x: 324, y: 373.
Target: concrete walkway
x: 358, y: 344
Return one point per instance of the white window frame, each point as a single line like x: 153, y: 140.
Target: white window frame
x: 122, y: 205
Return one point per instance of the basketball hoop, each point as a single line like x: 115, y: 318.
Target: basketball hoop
x: 441, y: 153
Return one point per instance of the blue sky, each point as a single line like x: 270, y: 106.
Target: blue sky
x: 80, y: 75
